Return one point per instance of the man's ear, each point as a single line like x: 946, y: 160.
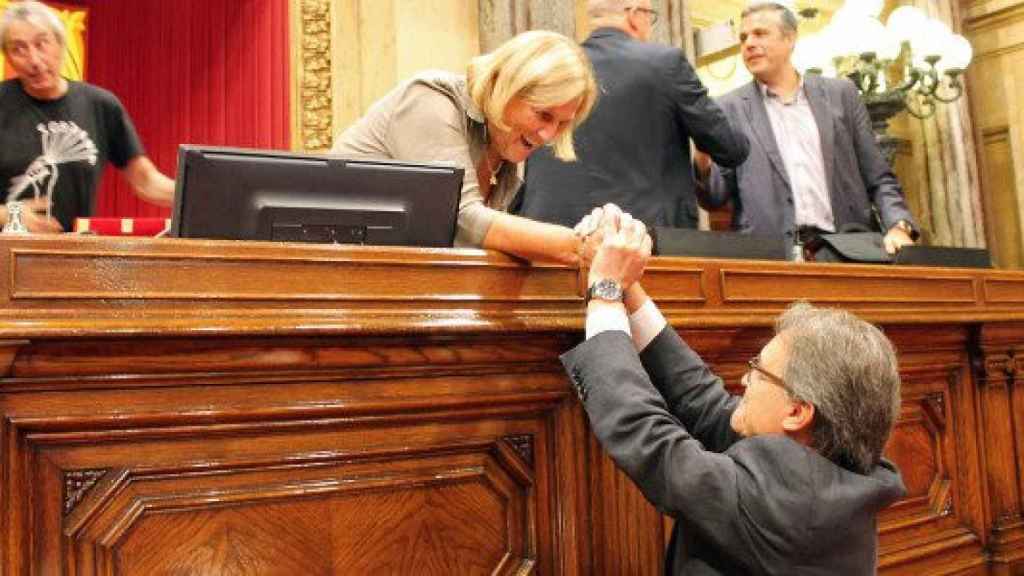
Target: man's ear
x: 799, y: 417
x: 632, y: 29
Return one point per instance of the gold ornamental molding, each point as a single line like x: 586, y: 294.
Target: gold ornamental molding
x: 76, y: 484
x: 311, y: 60
x: 992, y: 15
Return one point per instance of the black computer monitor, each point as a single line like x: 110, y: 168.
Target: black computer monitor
x: 238, y: 194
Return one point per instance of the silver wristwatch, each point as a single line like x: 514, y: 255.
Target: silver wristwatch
x: 605, y: 289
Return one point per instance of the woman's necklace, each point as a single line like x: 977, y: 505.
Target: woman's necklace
x: 493, y: 169
x: 494, y: 173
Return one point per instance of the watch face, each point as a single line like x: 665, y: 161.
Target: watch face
x: 607, y: 290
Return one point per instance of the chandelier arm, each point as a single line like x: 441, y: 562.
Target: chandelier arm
x: 912, y: 77
x: 872, y: 79
x: 918, y: 106
x: 929, y: 83
x: 957, y: 91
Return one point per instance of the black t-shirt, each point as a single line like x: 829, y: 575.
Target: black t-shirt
x: 26, y: 123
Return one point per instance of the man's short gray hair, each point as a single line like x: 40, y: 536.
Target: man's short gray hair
x: 34, y: 13
x: 786, y: 16
x: 604, y: 8
x: 847, y: 369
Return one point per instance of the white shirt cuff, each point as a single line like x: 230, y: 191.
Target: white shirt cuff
x: 645, y: 324
x: 605, y: 318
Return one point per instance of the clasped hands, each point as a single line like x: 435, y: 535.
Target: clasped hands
x: 616, y: 246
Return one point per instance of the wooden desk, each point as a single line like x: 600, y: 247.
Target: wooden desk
x: 191, y: 407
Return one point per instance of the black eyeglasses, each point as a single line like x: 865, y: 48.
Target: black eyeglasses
x: 652, y: 14
x: 755, y: 365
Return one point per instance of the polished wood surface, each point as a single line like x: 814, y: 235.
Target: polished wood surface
x: 199, y: 407
x: 995, y: 87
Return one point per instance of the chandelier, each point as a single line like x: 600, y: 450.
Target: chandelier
x: 912, y: 62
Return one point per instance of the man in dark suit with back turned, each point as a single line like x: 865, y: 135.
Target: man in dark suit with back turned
x: 634, y: 149
x: 814, y: 166
x: 786, y: 480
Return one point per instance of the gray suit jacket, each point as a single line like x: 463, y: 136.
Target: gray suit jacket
x: 857, y: 174
x: 761, y: 505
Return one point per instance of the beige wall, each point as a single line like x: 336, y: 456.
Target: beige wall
x: 729, y: 73
x: 996, y: 29
x: 381, y: 42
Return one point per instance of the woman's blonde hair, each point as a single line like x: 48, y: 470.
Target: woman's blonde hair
x: 543, y: 68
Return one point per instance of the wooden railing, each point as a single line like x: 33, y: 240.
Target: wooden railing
x: 200, y: 407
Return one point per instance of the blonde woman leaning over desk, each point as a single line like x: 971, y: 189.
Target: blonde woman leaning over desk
x: 532, y: 91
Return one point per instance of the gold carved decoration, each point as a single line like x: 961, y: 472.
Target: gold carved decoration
x: 523, y: 445
x: 76, y: 484
x: 314, y: 89
x: 998, y: 369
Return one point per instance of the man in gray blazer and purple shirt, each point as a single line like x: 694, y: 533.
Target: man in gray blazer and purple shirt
x: 786, y: 480
x: 814, y: 166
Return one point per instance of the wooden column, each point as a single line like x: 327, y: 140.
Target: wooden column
x: 312, y: 103
x: 1001, y: 399
x: 500, y: 19
x: 995, y: 29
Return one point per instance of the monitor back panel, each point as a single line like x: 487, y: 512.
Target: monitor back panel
x: 230, y: 193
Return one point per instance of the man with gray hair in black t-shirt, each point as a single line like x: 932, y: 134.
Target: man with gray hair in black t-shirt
x: 56, y: 135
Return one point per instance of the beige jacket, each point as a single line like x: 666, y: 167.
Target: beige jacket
x: 430, y: 118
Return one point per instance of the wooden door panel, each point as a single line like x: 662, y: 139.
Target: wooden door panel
x: 419, y: 514
x: 451, y: 468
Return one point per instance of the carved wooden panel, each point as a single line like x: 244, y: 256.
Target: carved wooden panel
x: 940, y: 521
x: 425, y: 458
x: 620, y: 513
x: 189, y: 287
x: 1000, y: 364
x: 421, y: 513
x: 1009, y: 290
x: 757, y: 286
x: 177, y: 406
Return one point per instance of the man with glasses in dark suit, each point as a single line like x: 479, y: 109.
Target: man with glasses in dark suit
x: 634, y: 149
x: 787, y: 479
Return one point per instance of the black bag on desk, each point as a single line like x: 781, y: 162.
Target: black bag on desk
x: 859, y: 247
x: 867, y: 248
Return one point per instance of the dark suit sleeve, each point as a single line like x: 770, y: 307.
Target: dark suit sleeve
x: 718, y: 188
x: 692, y: 392
x: 633, y: 424
x: 883, y: 188
x: 703, y: 118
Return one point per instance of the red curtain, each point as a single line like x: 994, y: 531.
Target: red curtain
x: 190, y: 72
